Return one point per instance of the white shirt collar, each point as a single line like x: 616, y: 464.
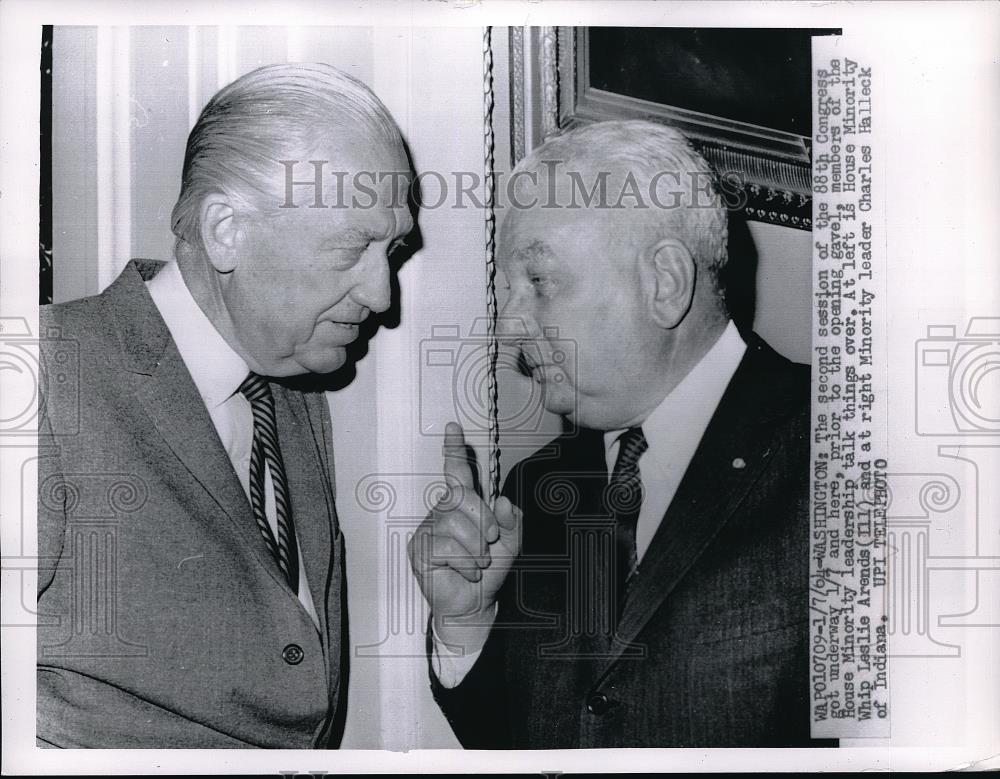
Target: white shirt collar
x: 675, y: 427
x: 217, y: 370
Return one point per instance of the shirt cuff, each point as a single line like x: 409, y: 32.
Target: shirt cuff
x: 452, y: 667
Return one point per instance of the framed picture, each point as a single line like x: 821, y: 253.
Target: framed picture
x: 742, y: 96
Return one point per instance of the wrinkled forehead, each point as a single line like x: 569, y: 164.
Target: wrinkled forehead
x: 533, y: 250
x: 529, y: 233
x: 537, y: 239
x: 555, y: 224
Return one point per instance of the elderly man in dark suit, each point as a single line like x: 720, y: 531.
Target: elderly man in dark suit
x: 205, y: 606
x: 642, y: 581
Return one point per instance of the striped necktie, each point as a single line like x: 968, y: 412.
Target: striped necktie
x: 625, y: 500
x: 266, y: 450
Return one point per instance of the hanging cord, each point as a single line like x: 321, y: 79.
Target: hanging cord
x: 492, y: 346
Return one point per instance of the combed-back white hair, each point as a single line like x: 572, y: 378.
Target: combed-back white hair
x: 272, y: 113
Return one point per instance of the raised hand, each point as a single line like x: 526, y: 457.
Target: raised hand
x: 463, y: 550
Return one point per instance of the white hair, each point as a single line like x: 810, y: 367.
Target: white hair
x: 271, y: 113
x: 649, y: 153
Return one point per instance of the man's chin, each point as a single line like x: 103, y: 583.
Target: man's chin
x: 559, y: 401
x: 320, y: 361
x: 326, y: 361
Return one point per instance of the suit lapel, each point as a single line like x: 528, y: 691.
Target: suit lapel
x: 312, y: 499
x: 732, y: 455
x: 165, y: 390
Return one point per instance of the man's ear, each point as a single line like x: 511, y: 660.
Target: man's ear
x: 674, y: 275
x: 220, y: 232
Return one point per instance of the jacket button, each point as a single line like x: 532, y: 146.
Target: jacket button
x: 292, y: 654
x: 598, y: 703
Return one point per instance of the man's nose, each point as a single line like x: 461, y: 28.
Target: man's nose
x: 374, y: 290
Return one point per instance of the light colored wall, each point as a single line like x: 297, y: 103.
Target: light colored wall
x: 784, y: 289
x: 402, y: 402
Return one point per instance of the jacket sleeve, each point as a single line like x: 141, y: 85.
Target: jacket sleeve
x: 476, y: 709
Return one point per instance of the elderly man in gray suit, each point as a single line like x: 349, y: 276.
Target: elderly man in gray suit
x: 642, y: 581
x: 210, y: 610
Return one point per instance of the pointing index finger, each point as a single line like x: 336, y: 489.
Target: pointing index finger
x: 457, y: 471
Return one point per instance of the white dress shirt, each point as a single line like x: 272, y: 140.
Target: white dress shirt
x: 218, y: 371
x: 673, y: 431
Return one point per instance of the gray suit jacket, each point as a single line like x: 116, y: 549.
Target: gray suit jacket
x: 163, y: 619
x: 712, y: 646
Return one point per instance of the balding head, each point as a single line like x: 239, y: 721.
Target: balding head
x: 643, y: 173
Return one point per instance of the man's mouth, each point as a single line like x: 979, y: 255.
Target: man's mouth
x: 532, y: 368
x: 351, y: 322
x: 528, y: 365
x: 342, y: 330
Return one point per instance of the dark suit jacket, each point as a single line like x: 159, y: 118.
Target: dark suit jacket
x: 713, y: 642
x: 163, y: 619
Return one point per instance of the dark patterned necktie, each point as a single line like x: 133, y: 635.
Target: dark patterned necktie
x: 625, y: 500
x: 266, y: 450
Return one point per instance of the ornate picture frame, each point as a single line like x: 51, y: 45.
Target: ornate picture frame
x: 551, y: 92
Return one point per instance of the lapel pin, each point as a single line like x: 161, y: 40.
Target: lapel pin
x: 739, y: 463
